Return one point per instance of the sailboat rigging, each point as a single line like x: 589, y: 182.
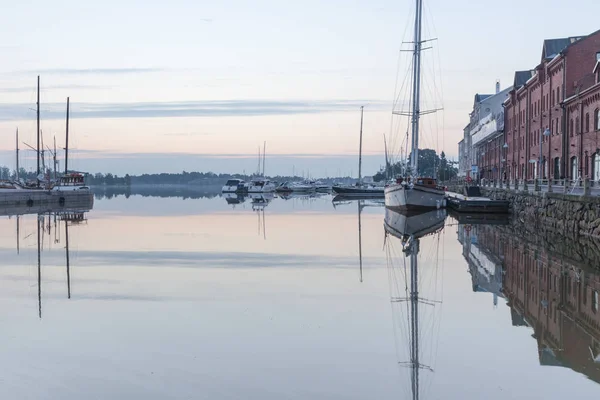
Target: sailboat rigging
x: 416, y: 193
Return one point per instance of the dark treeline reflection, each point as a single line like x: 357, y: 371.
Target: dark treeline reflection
x: 181, y: 191
x: 555, y: 295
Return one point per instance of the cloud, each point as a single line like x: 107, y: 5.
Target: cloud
x: 26, y: 89
x: 210, y: 108
x: 89, y: 71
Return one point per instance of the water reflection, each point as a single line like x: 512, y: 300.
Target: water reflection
x: 555, y: 296
x: 409, y: 292
x: 51, y: 224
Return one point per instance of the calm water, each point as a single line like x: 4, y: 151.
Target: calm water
x: 196, y: 298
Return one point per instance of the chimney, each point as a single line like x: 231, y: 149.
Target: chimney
x: 497, y: 86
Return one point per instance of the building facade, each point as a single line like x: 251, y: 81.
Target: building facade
x: 549, y: 114
x: 483, y: 137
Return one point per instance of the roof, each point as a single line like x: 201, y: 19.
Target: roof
x: 521, y: 77
x: 552, y: 47
x: 481, y: 97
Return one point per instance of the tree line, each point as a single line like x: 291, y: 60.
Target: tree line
x: 430, y: 165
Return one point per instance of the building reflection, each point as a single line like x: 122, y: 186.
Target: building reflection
x: 555, y: 296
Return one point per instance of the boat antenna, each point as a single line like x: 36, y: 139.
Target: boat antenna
x: 67, y: 141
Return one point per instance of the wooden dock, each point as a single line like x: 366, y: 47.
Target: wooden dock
x: 476, y: 204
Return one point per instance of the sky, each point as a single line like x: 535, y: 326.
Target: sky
x: 195, y: 85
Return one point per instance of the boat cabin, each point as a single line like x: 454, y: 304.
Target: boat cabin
x: 71, y: 180
x: 427, y: 182
x: 234, y: 182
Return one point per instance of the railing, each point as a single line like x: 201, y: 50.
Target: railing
x: 578, y: 186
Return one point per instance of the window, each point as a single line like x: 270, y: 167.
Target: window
x: 586, y: 165
x: 574, y: 169
x: 571, y: 128
x: 558, y: 94
x: 552, y: 97
x: 596, y: 167
x: 595, y: 301
x: 587, y: 122
x: 577, y: 128
x: 556, y: 171
x: 552, y: 127
x: 597, y: 119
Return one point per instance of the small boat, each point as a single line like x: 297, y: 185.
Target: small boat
x: 261, y: 186
x: 293, y: 187
x: 235, y: 186
x: 359, y: 190
x: 322, y: 187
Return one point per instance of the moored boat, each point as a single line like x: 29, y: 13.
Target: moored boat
x: 261, y: 186
x: 235, y: 186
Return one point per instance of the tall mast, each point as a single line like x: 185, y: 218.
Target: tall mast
x: 264, y: 157
x: 387, y: 164
x: 416, y: 95
x: 17, y: 155
x: 67, y: 141
x: 360, y: 146
x: 38, y: 124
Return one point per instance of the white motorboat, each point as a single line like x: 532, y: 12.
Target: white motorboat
x: 261, y: 186
x: 235, y: 186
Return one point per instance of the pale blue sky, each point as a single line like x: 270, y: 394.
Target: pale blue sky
x: 186, y: 79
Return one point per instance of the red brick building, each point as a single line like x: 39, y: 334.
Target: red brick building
x: 552, y: 123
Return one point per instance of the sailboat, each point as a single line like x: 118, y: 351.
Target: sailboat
x: 415, y: 193
x: 360, y: 189
x: 409, y: 229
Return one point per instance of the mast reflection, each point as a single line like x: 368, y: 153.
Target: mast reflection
x: 408, y: 230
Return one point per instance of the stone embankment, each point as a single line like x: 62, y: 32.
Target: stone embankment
x: 564, y: 224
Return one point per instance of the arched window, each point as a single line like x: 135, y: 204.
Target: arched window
x: 597, y: 119
x: 596, y: 167
x: 557, y: 168
x: 587, y: 122
x: 552, y: 127
x: 574, y: 169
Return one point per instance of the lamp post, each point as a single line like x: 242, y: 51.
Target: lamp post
x: 546, y: 132
x: 504, y: 151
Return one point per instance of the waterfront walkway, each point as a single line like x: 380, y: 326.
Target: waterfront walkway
x: 578, y: 187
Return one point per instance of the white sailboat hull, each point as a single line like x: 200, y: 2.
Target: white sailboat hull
x: 402, y: 197
x: 415, y: 224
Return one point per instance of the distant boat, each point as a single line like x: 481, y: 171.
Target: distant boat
x: 235, y: 186
x: 261, y: 186
x: 296, y: 187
